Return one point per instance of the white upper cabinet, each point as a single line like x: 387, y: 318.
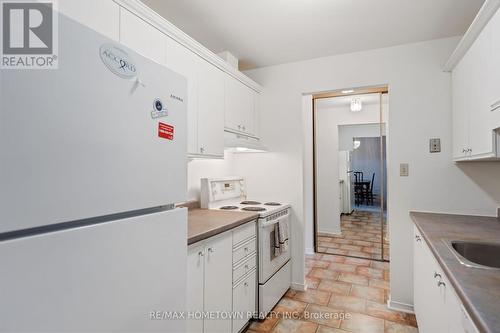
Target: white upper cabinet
x: 106, y: 22
x: 185, y: 62
x: 494, y: 91
x: 239, y: 107
x: 475, y: 82
x: 210, y: 110
x: 142, y: 37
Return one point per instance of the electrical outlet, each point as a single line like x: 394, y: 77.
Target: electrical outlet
x: 404, y: 170
x: 435, y: 145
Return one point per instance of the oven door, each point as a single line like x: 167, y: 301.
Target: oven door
x: 268, y: 262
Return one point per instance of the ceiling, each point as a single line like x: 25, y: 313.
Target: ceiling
x: 269, y: 32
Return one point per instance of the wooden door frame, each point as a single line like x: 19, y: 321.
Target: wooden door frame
x: 384, y: 89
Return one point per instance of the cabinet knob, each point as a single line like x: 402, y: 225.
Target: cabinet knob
x: 441, y: 283
x: 246, y: 266
x: 201, y: 254
x: 211, y: 250
x: 244, y: 128
x: 417, y: 238
x: 464, y: 150
x: 437, y: 275
x: 246, y: 249
x: 202, y: 149
x: 239, y: 126
x: 245, y: 284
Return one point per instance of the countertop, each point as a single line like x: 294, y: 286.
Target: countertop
x: 205, y: 223
x: 478, y: 289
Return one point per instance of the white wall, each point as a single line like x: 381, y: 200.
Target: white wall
x: 201, y: 168
x: 420, y: 108
x: 330, y: 114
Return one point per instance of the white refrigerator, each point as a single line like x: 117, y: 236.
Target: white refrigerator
x: 92, y: 160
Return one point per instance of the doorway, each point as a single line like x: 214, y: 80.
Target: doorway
x: 350, y: 177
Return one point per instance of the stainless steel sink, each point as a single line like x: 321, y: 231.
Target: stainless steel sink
x: 478, y: 254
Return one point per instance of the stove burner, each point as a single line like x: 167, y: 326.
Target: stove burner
x: 253, y: 209
x: 250, y: 202
x: 272, y: 204
x: 228, y: 207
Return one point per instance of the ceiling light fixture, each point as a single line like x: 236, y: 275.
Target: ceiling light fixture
x: 350, y: 91
x: 356, y: 104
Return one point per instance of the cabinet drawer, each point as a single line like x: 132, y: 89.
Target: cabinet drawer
x: 246, y: 250
x: 244, y: 301
x: 243, y: 268
x: 243, y: 233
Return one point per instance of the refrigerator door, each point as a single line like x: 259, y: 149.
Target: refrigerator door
x: 80, y: 141
x: 106, y: 277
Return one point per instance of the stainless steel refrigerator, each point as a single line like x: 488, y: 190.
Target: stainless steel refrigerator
x: 92, y: 159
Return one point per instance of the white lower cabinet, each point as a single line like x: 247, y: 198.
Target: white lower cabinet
x: 210, y: 284
x: 221, y: 295
x: 244, y: 300
x: 437, y: 307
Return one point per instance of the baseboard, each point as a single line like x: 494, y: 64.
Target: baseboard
x: 399, y: 306
x: 298, y: 286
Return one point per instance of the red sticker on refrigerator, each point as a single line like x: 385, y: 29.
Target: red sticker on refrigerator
x: 165, y: 131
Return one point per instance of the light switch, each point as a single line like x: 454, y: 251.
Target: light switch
x: 404, y: 170
x: 435, y: 145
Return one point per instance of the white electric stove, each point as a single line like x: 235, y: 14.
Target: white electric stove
x: 274, y: 269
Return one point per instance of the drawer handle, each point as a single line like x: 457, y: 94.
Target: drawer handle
x: 437, y: 275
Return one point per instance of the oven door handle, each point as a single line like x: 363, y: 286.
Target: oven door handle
x: 269, y: 223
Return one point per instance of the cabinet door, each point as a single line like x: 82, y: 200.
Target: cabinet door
x: 256, y: 114
x: 494, y: 83
x: 195, y: 284
x: 210, y: 110
x: 218, y: 282
x: 460, y: 116
x: 142, y: 37
x: 480, y: 130
x: 429, y: 298
x: 84, y: 12
x: 239, y: 106
x: 185, y: 62
x: 244, y: 301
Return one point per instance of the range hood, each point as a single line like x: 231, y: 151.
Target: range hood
x: 238, y: 143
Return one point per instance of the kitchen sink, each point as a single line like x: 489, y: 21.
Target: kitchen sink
x: 478, y: 254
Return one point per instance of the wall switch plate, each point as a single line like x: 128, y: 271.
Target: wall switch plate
x: 435, y: 145
x: 404, y: 170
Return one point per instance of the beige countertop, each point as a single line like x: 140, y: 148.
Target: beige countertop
x: 478, y: 289
x: 205, y: 223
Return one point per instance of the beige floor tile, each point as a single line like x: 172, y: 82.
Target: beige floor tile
x: 295, y: 326
x: 324, y: 273
x: 361, y: 323
x: 335, y: 266
x: 319, y: 297
x: 369, y: 293
x: 353, y: 278
x: 265, y: 325
x: 391, y: 327
x: 335, y: 287
x: 323, y: 315
x: 348, y: 303
x: 290, y: 307
x: 326, y: 329
x: 370, y: 272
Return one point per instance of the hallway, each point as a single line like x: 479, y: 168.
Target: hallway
x: 361, y: 237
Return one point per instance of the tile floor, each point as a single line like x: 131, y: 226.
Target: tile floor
x: 343, y: 295
x: 361, y: 237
